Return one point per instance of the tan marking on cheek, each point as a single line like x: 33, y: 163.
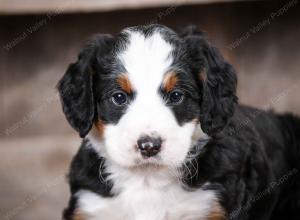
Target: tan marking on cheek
x: 100, y: 128
x: 78, y: 216
x: 202, y: 76
x: 217, y: 213
x: 170, y: 81
x: 124, y: 83
x: 195, y: 121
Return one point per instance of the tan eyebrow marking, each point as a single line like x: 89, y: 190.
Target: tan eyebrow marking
x: 124, y: 83
x: 170, y: 81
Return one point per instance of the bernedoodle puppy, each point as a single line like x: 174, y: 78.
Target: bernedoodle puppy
x: 164, y: 137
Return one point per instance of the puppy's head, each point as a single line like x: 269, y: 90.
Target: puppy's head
x: 147, y: 93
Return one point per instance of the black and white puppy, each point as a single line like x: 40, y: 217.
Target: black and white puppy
x: 164, y: 138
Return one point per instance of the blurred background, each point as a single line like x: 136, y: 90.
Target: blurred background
x: 39, y: 38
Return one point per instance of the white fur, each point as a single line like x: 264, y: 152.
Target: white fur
x: 147, y: 197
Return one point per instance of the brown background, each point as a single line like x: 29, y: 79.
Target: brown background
x: 36, y: 143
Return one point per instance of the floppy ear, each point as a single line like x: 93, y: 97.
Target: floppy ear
x: 216, y: 79
x: 76, y: 86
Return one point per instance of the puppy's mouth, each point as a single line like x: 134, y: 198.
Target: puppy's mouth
x: 151, y: 163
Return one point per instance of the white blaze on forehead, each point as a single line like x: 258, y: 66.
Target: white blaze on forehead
x: 146, y: 60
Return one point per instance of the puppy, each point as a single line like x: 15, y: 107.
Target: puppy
x: 164, y: 138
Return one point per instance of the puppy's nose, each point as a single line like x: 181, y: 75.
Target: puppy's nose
x: 149, y: 146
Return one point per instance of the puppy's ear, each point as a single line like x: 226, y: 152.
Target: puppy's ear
x: 76, y: 86
x: 216, y: 79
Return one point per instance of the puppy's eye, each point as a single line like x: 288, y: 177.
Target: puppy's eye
x: 119, y: 98
x: 175, y: 97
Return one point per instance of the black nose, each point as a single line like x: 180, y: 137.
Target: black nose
x: 149, y: 146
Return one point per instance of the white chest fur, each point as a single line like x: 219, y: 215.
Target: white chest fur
x: 140, y: 197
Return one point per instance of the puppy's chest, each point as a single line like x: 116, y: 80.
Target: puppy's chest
x: 142, y: 201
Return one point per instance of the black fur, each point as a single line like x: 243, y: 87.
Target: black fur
x: 218, y: 99
x: 76, y: 87
x: 252, y: 159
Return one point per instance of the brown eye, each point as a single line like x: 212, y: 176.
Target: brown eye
x: 175, y: 97
x: 119, y: 98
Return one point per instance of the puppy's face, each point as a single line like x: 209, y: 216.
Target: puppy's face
x: 142, y: 92
x: 148, y: 107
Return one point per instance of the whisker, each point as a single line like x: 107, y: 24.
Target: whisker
x: 102, y: 179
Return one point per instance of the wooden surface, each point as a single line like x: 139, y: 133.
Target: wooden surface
x: 67, y: 6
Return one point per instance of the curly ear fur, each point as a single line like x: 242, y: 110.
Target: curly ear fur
x: 217, y: 81
x: 76, y: 86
